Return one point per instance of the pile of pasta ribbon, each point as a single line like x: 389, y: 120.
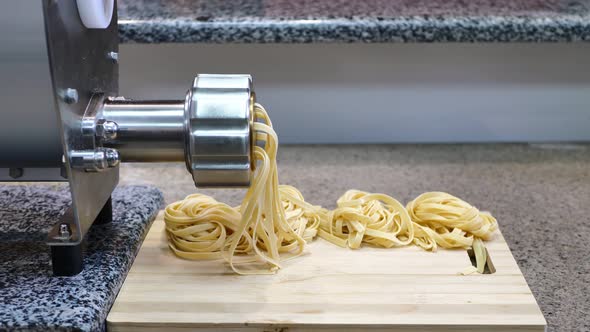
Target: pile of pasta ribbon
x: 274, y: 222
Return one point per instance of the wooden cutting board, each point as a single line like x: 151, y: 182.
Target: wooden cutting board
x: 330, y: 288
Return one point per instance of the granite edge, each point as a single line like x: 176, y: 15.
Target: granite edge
x: 365, y: 30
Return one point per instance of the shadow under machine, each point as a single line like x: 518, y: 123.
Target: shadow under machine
x: 63, y: 120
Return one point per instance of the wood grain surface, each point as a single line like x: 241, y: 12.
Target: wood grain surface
x: 327, y: 289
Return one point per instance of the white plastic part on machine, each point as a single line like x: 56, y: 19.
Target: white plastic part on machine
x: 96, y: 14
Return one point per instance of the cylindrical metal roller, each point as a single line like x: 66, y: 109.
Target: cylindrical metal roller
x: 145, y: 131
x: 218, y: 128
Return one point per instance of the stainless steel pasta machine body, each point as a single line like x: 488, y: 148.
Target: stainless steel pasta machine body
x: 62, y: 118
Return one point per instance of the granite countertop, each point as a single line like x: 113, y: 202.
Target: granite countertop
x: 376, y: 21
x: 540, y: 195
x: 31, y: 298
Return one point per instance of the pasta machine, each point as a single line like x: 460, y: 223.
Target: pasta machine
x: 63, y: 120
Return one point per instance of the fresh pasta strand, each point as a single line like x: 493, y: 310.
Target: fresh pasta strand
x: 367, y: 218
x: 198, y: 227
x: 453, y: 223
x: 274, y: 222
x: 432, y: 219
x: 450, y: 221
x: 480, y: 255
x: 255, y: 236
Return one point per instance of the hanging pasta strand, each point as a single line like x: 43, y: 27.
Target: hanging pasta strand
x: 255, y: 236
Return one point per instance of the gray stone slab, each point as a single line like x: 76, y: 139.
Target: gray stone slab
x: 375, y: 21
x: 31, y: 299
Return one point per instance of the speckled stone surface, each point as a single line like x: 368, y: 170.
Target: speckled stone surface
x: 30, y: 297
x: 539, y: 193
x: 307, y: 21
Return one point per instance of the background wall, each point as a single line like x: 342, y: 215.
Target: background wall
x: 381, y: 93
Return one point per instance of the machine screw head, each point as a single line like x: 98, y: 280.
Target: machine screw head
x: 110, y: 129
x: 112, y: 157
x: 15, y: 172
x: 113, y: 56
x: 107, y: 130
x: 70, y: 96
x: 64, y: 230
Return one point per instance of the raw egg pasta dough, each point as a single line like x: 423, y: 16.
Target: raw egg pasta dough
x: 274, y: 222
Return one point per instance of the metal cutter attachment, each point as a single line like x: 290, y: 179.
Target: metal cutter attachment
x: 209, y: 130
